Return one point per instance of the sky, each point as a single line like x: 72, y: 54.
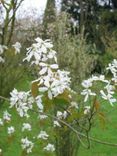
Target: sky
x: 31, y: 7
x: 36, y: 7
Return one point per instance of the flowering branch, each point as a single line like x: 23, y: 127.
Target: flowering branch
x: 70, y: 127
x: 52, y: 87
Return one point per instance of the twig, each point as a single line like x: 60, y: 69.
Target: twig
x: 3, y: 98
x: 78, y: 133
x: 73, y: 129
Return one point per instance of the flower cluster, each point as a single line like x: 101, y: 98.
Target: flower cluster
x: 17, y: 46
x: 22, y: 101
x: 27, y: 144
x: 43, y: 135
x: 51, y: 79
x: 108, y: 88
x: 26, y: 126
x: 87, y: 109
x: 39, y: 103
x: 113, y: 68
x: 55, y: 84
x: 40, y: 52
x: 109, y: 93
x: 87, y: 84
x: 60, y: 116
x: 50, y: 148
x: 11, y: 130
x: 6, y: 116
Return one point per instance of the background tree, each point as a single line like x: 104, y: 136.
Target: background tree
x: 10, y: 8
x: 49, y: 18
x: 98, y: 20
x: 91, y: 14
x: 11, y: 69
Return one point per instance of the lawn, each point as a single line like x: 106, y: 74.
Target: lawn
x: 107, y: 132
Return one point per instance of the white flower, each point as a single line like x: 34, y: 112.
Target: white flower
x: 46, y: 43
x: 6, y: 116
x: 110, y: 92
x: 56, y: 124
x: 55, y: 84
x: 115, y: 79
x: 0, y: 150
x: 51, y: 55
x: 43, y: 135
x: 40, y: 52
x: 59, y: 115
x: 39, y: 103
x: 74, y: 104
x: 27, y: 145
x: 26, y: 126
x: 108, y: 97
x: 64, y: 79
x: 99, y: 78
x: 2, y: 48
x: 87, y: 109
x: 87, y: 93
x: 1, y: 122
x: 113, y: 68
x: 46, y: 68
x: 11, y: 130
x: 17, y: 47
x: 22, y: 101
x: 42, y: 117
x: 65, y: 114
x: 43, y: 89
x: 87, y: 83
x: 50, y: 148
x: 110, y: 88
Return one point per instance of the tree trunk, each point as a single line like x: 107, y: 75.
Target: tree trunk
x: 67, y: 143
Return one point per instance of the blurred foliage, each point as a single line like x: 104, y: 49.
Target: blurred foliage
x: 110, y: 43
x: 97, y: 17
x: 74, y: 54
x: 10, y: 72
x: 108, y: 23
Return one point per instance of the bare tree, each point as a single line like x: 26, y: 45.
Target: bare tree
x: 10, y: 9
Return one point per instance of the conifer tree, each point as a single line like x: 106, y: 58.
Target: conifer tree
x: 49, y: 17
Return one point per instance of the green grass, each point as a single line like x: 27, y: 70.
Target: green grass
x: 106, y: 133
x: 12, y: 146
